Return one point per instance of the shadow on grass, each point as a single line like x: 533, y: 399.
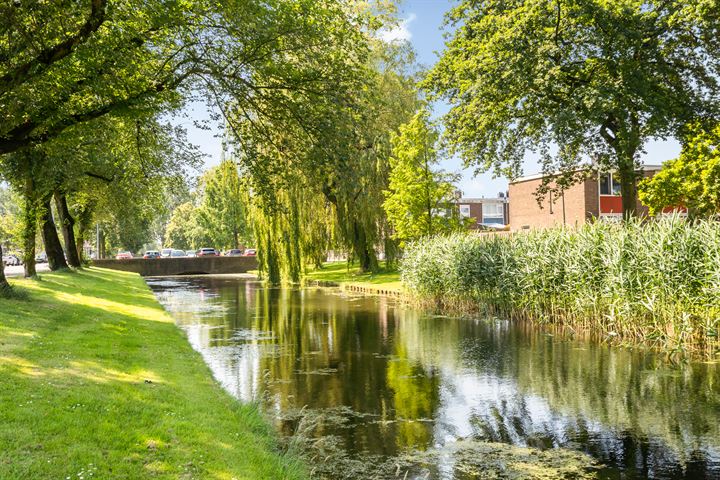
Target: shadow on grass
x: 89, y: 385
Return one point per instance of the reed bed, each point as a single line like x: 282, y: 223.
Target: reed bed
x: 653, y: 282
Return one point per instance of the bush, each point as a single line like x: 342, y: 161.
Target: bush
x: 655, y: 282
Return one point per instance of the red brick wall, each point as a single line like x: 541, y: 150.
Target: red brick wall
x: 580, y: 203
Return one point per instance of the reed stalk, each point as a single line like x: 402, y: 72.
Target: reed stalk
x: 650, y: 282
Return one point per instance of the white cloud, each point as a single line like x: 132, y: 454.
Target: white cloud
x: 401, y: 32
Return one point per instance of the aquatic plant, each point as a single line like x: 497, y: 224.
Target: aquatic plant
x: 654, y: 282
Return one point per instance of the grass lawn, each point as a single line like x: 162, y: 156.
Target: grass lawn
x: 339, y: 273
x: 96, y: 381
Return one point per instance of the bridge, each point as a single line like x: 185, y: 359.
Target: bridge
x: 163, y: 267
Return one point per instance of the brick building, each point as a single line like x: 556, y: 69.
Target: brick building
x: 490, y: 212
x: 598, y: 196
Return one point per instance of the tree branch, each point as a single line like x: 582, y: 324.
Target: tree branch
x: 51, y: 55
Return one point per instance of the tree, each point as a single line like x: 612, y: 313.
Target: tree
x: 338, y: 156
x: 9, y: 229
x: 419, y: 200
x: 183, y: 231
x: 65, y: 63
x: 10, y: 212
x: 71, y: 63
x: 589, y: 78
x: 691, y: 180
x: 221, y: 212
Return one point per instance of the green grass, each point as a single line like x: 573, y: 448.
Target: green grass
x: 340, y: 273
x: 96, y: 381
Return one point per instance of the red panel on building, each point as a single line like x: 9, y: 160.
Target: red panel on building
x: 610, y: 204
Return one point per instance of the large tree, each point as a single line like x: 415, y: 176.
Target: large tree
x: 336, y: 162
x: 420, y: 197
x: 222, y: 213
x: 68, y: 63
x: 575, y: 80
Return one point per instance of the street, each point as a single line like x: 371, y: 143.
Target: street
x: 17, y: 271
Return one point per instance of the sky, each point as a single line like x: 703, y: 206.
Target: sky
x: 422, y: 25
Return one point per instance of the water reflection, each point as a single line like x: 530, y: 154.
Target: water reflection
x: 389, y: 380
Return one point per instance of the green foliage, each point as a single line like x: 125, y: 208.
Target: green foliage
x: 10, y: 218
x: 691, y: 180
x: 575, y: 79
x: 654, y: 282
x: 291, y: 232
x: 419, y: 199
x: 183, y: 230
x: 87, y: 59
x: 333, y: 168
x: 221, y: 213
x: 219, y: 220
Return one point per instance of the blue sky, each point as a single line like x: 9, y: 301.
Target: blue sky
x: 421, y: 25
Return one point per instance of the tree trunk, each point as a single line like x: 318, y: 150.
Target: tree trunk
x: 366, y: 255
x: 67, y: 225
x: 53, y: 247
x: 29, y: 219
x: 84, y: 220
x: 5, y: 287
x: 100, y: 247
x: 628, y: 186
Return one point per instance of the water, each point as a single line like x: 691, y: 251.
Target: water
x: 368, y: 388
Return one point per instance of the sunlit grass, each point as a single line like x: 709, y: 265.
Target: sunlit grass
x: 343, y: 274
x: 96, y: 381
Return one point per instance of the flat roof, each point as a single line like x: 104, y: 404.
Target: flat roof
x: 483, y: 200
x: 538, y: 176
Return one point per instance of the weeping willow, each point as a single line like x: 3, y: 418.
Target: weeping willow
x: 292, y: 231
x: 315, y: 178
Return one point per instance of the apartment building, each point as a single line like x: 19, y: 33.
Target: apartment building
x: 485, y: 212
x: 598, y: 196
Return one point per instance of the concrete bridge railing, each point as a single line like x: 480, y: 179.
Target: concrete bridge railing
x: 181, y: 265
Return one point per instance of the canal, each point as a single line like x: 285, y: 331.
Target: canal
x: 367, y: 388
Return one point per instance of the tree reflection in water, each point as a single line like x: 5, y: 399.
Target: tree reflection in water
x: 380, y: 380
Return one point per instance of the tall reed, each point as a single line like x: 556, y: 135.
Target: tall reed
x: 655, y: 282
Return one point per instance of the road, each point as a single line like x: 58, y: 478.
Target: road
x: 19, y: 271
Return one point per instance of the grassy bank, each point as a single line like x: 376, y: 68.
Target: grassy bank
x: 96, y: 381
x: 349, y: 276
x: 656, y: 283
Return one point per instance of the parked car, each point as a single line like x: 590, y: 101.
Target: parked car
x: 11, y: 260
x: 151, y: 254
x: 41, y: 258
x: 207, y: 252
x: 177, y: 253
x: 166, y: 253
x: 235, y: 252
x: 250, y: 252
x: 190, y: 253
x: 123, y: 256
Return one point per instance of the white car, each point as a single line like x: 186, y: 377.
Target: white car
x: 11, y: 260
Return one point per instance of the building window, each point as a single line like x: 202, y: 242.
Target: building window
x: 609, y: 185
x: 465, y: 211
x: 493, y: 213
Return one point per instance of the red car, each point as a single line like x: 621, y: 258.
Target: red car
x: 123, y: 256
